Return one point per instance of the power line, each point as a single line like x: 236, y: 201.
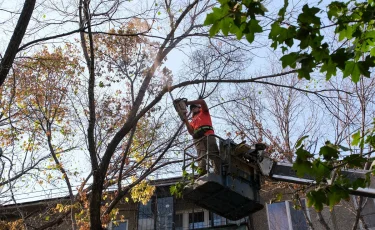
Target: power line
x: 49, y: 192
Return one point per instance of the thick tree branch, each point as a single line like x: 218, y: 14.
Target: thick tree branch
x: 16, y: 39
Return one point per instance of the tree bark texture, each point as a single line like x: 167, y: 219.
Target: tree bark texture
x: 16, y: 39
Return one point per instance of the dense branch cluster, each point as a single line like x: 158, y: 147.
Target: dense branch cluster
x: 85, y: 106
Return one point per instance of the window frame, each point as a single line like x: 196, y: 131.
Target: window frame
x: 110, y: 226
x: 196, y: 222
x: 289, y: 215
x: 182, y: 220
x: 208, y: 223
x: 185, y: 214
x: 152, y: 212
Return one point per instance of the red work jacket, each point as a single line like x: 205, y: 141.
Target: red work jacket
x: 201, y: 119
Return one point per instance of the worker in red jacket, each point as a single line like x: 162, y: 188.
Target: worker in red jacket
x: 199, y: 127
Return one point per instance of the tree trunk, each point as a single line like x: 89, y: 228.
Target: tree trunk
x: 95, y: 202
x: 16, y: 39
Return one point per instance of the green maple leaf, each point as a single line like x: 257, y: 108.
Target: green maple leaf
x: 352, y: 69
x: 329, y: 153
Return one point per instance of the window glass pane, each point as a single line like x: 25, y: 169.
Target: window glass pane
x: 121, y: 226
x: 196, y: 220
x: 277, y: 216
x: 164, y: 215
x: 298, y: 219
x: 238, y: 222
x: 146, y: 217
x: 178, y: 221
x: 218, y: 220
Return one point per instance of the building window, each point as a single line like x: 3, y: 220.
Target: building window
x: 178, y: 221
x: 282, y: 215
x: 146, y: 217
x: 156, y: 214
x: 196, y: 220
x: 238, y: 222
x: 118, y: 225
x: 216, y: 220
x: 201, y: 218
x: 164, y: 213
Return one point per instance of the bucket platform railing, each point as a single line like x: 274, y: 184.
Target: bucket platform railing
x: 231, y: 192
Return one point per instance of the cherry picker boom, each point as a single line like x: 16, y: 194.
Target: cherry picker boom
x: 234, y: 192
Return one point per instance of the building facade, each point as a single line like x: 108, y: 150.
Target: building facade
x: 165, y: 212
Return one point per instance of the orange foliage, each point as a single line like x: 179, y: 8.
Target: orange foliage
x: 38, y: 92
x: 12, y: 225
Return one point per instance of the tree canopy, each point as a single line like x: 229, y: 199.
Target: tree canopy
x: 89, y: 81
x: 301, y: 39
x: 306, y: 48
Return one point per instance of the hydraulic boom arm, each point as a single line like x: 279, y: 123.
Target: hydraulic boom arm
x: 284, y: 172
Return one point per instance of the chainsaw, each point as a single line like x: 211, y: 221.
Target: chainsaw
x: 181, y: 108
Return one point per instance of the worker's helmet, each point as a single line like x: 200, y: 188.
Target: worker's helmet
x: 192, y: 106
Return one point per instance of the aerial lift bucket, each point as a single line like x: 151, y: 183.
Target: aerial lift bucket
x: 233, y: 193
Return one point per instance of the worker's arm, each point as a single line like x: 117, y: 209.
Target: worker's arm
x: 200, y: 102
x: 188, y: 126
